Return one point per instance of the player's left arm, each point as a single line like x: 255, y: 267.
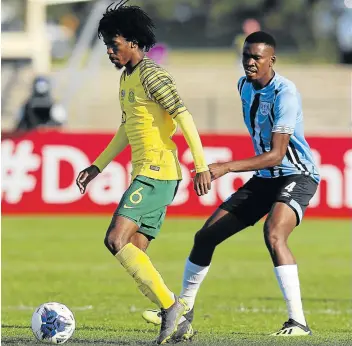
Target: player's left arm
x: 162, y: 90
x: 285, y: 114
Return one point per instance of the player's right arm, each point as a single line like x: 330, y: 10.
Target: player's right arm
x: 115, y: 147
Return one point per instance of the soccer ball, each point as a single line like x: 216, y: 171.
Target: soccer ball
x: 53, y: 323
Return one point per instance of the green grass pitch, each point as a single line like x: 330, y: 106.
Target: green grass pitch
x: 63, y: 259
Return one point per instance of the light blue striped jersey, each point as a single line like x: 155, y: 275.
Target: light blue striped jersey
x: 277, y: 108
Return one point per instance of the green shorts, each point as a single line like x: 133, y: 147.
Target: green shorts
x: 145, y: 203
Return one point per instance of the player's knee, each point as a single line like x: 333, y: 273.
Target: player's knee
x: 273, y: 235
x: 273, y: 240
x: 114, y: 242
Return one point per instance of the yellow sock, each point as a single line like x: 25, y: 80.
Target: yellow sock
x: 148, y: 279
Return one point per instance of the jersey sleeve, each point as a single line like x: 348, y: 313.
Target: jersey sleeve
x: 190, y: 132
x: 161, y: 88
x: 118, y: 143
x: 285, y: 113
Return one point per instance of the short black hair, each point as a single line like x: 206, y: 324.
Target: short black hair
x: 261, y: 37
x: 131, y: 22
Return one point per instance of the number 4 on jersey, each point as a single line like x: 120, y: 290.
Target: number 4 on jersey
x: 290, y: 187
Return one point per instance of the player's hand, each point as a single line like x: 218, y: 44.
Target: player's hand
x: 202, y: 183
x: 85, y: 176
x: 217, y: 170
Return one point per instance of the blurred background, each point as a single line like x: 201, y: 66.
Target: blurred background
x: 200, y: 42
x: 58, y: 82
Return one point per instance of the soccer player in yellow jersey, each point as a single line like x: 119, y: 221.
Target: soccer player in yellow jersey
x: 151, y: 111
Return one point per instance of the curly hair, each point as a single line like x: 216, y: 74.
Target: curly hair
x: 131, y: 22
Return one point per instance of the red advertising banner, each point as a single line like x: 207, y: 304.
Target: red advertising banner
x: 39, y: 171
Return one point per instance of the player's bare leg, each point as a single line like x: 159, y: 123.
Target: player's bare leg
x: 278, y: 226
x: 121, y: 240
x: 141, y: 241
x: 120, y: 233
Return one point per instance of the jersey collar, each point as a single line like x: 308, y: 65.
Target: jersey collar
x: 135, y: 67
x: 267, y: 87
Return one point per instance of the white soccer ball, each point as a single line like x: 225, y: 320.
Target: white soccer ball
x: 53, y: 323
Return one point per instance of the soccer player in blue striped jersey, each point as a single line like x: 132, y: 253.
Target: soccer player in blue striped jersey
x: 276, y: 108
x: 285, y: 179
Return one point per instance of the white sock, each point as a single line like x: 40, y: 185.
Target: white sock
x: 287, y: 276
x: 192, y: 278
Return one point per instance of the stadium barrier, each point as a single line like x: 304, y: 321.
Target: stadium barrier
x: 39, y: 170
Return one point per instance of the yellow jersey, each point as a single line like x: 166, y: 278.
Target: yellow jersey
x: 151, y: 108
